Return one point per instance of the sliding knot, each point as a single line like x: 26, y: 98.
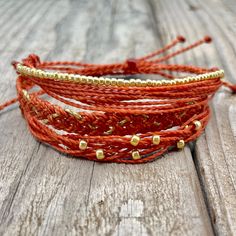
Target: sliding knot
x: 207, y: 39
x: 32, y: 61
x: 130, y: 66
x: 181, y: 39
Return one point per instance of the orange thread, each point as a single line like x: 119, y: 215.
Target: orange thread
x: 109, y: 115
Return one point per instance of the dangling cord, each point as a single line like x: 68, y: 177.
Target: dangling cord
x: 179, y: 39
x: 232, y: 87
x: 206, y: 39
x: 8, y: 103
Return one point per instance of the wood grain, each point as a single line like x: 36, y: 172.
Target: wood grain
x: 43, y: 192
x: 215, y: 152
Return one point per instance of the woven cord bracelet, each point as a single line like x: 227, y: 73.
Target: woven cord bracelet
x: 74, y: 109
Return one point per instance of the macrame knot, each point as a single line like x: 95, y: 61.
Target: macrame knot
x: 130, y: 66
x: 32, y: 61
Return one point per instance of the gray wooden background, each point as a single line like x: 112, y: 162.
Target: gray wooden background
x: 191, y: 192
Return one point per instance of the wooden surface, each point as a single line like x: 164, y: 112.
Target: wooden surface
x: 191, y: 192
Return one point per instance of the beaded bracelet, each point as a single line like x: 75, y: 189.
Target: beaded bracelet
x: 112, y: 119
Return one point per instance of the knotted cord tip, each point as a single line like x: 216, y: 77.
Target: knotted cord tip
x: 181, y: 38
x: 14, y: 64
x: 207, y: 39
x: 131, y: 66
x: 214, y: 69
x: 232, y: 87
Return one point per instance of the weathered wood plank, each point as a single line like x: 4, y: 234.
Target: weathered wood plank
x: 215, y: 152
x: 44, y: 193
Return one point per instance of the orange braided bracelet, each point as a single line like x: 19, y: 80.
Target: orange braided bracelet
x: 116, y: 120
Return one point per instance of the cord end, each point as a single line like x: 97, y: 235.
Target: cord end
x: 230, y: 86
x: 14, y: 64
x: 207, y: 39
x: 181, y: 39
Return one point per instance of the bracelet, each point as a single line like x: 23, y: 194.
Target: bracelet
x: 90, y: 115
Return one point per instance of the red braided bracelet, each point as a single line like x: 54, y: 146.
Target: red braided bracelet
x: 116, y: 120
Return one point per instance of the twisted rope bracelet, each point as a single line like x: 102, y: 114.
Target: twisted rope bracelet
x: 116, y: 120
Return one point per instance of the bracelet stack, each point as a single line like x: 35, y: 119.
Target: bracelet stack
x: 82, y: 112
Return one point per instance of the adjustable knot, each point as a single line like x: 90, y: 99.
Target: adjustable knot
x: 32, y: 61
x: 130, y: 66
x: 230, y: 86
x: 14, y: 63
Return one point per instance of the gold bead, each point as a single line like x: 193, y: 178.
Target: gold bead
x: 180, y: 144
x: 136, y: 155
x: 149, y: 82
x: 186, y: 126
x: 100, y: 154
x: 113, y: 81
x: 66, y: 76
x: 158, y: 82
x: 137, y: 82
x: 197, y: 124
x: 156, y: 139
x: 33, y: 72
x: 101, y: 81
x: 83, y: 145
x: 40, y: 73
x: 164, y: 82
x: 135, y: 140
x: 107, y: 81
x: 120, y: 82
x: 126, y: 83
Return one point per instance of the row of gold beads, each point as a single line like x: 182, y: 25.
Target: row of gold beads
x: 135, y: 139
x: 24, y: 70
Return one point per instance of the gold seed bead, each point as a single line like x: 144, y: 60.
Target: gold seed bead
x: 47, y: 75
x: 34, y: 72
x: 101, y: 81
x: 67, y: 76
x: 135, y: 140
x: 197, y: 124
x: 24, y: 70
x: 83, y: 145
x: 113, y: 81
x: 126, y: 83
x: 137, y: 82
x: 120, y: 82
x: 100, y: 154
x: 40, y: 74
x: 132, y: 82
x: 187, y: 80
x: 180, y: 144
x: 165, y: 82
x: 136, y: 155
x: 149, y: 82
x: 107, y: 81
x: 156, y: 139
